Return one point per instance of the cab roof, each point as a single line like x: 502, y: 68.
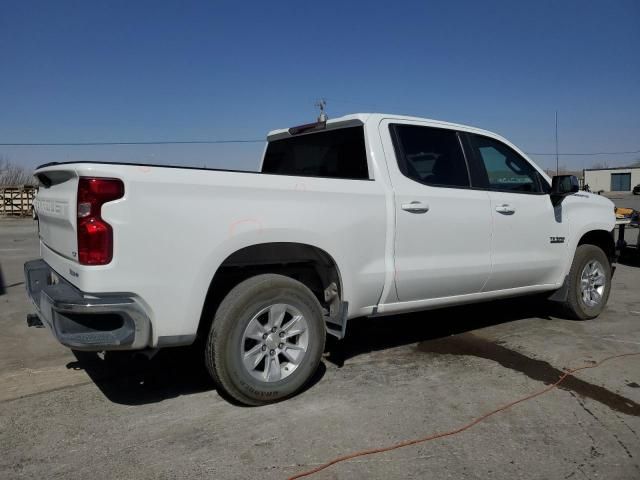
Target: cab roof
x: 362, y: 118
x: 375, y: 118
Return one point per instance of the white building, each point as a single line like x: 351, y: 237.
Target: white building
x: 621, y: 179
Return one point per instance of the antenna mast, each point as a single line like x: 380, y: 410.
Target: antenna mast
x: 557, y: 162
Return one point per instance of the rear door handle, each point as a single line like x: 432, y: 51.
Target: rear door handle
x: 415, y: 207
x: 506, y: 209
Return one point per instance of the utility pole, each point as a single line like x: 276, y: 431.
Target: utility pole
x: 557, y: 161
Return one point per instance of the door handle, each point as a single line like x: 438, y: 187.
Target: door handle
x: 505, y: 209
x: 415, y: 207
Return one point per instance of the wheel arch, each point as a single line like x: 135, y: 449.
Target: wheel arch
x: 309, y: 264
x: 601, y: 239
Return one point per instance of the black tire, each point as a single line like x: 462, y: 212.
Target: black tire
x: 225, y: 344
x: 575, y: 304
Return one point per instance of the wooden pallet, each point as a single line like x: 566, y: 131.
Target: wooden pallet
x: 17, y: 201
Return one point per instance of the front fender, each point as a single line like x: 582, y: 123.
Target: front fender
x: 587, y: 212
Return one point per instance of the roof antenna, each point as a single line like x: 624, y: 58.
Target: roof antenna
x: 322, y: 104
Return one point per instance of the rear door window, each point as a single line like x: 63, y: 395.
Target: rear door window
x: 339, y: 153
x: 432, y: 156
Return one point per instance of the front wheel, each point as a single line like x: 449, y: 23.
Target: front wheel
x: 589, y: 282
x: 266, y: 339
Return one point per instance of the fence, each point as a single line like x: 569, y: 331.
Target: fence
x: 17, y: 201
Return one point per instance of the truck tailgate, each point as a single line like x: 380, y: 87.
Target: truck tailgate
x: 55, y: 205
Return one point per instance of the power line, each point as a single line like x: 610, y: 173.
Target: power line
x: 213, y: 142
x: 161, y: 142
x: 587, y: 153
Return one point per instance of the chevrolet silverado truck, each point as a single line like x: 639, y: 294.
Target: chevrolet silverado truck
x: 359, y: 216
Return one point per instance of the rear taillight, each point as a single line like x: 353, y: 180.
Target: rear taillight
x: 95, y: 236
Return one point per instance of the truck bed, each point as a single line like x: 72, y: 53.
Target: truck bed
x: 175, y: 226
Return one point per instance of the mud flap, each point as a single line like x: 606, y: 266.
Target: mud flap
x: 336, y: 318
x: 561, y: 294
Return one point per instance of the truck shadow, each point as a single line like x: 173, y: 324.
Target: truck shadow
x: 131, y: 379
x: 366, y: 335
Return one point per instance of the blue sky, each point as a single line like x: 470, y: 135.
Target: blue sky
x: 86, y: 71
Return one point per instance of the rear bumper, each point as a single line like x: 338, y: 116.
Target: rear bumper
x: 82, y: 321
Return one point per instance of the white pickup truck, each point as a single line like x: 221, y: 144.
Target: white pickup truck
x: 363, y: 215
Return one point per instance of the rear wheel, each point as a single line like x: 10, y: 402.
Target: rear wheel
x: 266, y: 339
x: 589, y: 282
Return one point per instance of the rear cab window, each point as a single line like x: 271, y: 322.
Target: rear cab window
x: 337, y: 153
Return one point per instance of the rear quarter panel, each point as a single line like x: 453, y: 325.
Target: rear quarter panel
x: 174, y: 227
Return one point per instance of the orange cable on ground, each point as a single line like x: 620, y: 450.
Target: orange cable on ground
x: 568, y: 372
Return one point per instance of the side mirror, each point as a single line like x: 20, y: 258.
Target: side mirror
x: 563, y: 185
